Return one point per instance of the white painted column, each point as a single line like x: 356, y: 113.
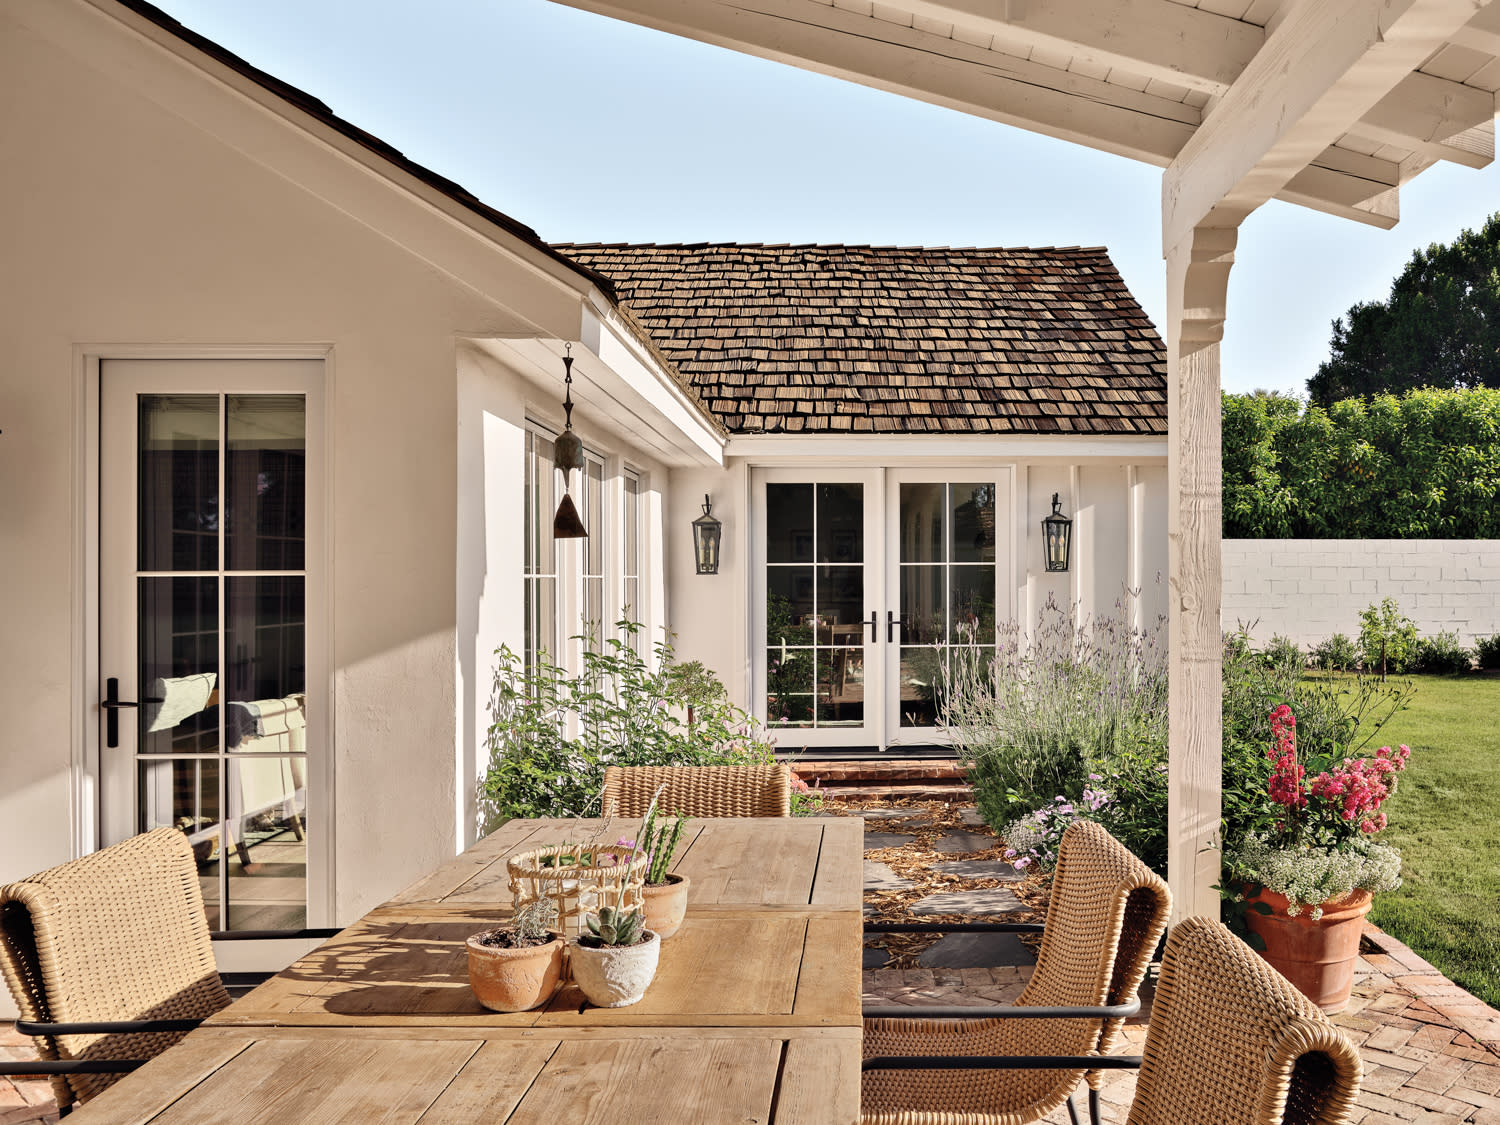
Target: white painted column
x: 1197, y: 277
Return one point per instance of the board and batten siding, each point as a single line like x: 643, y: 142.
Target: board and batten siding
x: 1309, y: 589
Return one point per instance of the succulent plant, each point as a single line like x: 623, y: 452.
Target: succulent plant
x: 659, y: 844
x: 535, y: 919
x: 613, y: 926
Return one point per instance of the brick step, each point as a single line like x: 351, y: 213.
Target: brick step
x: 915, y: 790
x: 877, y: 772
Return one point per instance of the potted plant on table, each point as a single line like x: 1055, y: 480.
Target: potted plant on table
x: 615, y: 961
x: 665, y: 894
x: 517, y: 968
x: 1308, y: 881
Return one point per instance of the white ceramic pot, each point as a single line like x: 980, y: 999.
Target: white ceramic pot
x: 613, y: 976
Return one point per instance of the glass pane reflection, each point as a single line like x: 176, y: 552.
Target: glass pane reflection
x: 266, y: 486
x: 179, y: 482
x: 267, y: 825
x: 178, y: 673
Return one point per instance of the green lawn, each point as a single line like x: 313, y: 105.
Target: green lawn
x: 1445, y: 819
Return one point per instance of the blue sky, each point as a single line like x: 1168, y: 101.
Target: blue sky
x: 588, y: 129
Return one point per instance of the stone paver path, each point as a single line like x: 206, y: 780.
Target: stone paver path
x: 996, y: 901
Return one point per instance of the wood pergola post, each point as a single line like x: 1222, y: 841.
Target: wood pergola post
x: 1197, y: 280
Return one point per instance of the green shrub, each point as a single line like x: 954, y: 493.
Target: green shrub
x: 1387, y: 639
x: 1425, y: 465
x: 1078, y: 703
x: 1283, y: 651
x: 554, y: 733
x: 1487, y: 651
x: 1443, y: 655
x: 1336, y: 654
x: 1336, y: 717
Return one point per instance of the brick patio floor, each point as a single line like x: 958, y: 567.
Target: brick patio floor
x: 1431, y: 1051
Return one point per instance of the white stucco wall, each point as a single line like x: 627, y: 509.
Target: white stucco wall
x: 127, y: 224
x: 1118, y: 506
x: 1309, y: 589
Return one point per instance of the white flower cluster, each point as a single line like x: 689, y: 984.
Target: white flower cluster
x: 1309, y: 877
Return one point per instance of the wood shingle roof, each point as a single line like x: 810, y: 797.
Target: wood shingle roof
x: 861, y: 339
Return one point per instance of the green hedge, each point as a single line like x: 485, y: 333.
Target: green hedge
x: 1425, y: 465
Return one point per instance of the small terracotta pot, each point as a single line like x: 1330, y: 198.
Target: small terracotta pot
x: 1317, y: 957
x: 514, y: 980
x: 614, y: 976
x: 666, y: 905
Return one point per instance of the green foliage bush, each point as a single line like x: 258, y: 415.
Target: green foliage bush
x: 1336, y: 654
x: 554, y: 733
x: 1487, y: 651
x: 1422, y: 466
x: 1076, y: 703
x: 1442, y: 655
x: 1387, y: 639
x: 1282, y: 650
x: 1337, y: 716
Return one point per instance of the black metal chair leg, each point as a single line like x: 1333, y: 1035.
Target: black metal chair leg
x: 1094, y: 1118
x: 1072, y: 1110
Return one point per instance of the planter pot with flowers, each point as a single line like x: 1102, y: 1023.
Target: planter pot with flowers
x: 516, y: 969
x: 1309, y: 881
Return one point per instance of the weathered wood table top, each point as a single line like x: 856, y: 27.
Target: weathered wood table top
x: 753, y: 1016
x: 798, y: 862
x: 273, y: 1076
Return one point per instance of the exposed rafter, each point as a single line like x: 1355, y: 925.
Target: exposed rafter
x: 1325, y: 66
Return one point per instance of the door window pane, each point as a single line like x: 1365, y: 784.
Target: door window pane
x: 841, y: 523
x: 922, y: 510
x: 183, y: 793
x: 266, y: 861
x: 841, y: 687
x: 266, y: 490
x: 178, y: 482
x: 265, y: 646
x: 790, y: 679
x: 789, y: 523
x: 973, y: 518
x: 178, y: 673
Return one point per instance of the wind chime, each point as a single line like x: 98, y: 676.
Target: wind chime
x: 567, y: 455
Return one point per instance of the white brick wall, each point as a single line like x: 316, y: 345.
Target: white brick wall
x: 1308, y: 589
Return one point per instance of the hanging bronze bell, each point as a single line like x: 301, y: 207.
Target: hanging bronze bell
x: 566, y: 524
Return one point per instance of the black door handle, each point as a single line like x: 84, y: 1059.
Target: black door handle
x: 874, y: 624
x: 111, y: 704
x: 891, y: 621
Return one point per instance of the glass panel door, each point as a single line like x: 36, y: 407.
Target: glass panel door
x: 204, y: 572
x: 946, y: 536
x: 819, y: 577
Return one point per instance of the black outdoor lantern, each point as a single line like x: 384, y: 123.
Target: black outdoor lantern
x: 707, y: 533
x: 567, y: 455
x: 1057, y: 537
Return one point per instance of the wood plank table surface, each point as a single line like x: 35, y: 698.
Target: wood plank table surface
x: 796, y: 862
x: 753, y: 1016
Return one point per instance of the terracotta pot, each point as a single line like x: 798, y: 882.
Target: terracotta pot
x: 613, y: 976
x: 1317, y: 957
x: 666, y: 905
x: 514, y: 980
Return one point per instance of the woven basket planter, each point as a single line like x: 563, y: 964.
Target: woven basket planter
x: 575, y: 888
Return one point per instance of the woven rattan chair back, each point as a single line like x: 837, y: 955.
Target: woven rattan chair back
x: 1106, y: 915
x: 699, y: 790
x: 1231, y: 1041
x: 117, y: 935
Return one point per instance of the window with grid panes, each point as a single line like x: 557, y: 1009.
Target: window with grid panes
x: 540, y: 563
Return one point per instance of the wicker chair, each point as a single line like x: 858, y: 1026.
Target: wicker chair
x: 110, y: 960
x: 1107, y: 913
x: 1229, y: 1041
x: 699, y: 790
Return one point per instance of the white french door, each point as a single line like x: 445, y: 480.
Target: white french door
x: 869, y: 584
x: 214, y: 710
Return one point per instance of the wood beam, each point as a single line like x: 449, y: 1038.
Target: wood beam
x: 932, y: 68
x: 1197, y: 286
x: 1322, y: 69
x: 1159, y: 39
x: 1442, y: 119
x: 1482, y: 33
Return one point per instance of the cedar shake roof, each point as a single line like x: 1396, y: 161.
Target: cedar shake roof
x: 861, y: 339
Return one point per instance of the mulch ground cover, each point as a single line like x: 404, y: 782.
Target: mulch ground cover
x: 928, y: 822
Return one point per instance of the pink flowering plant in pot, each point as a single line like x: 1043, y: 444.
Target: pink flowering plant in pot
x: 1324, y: 813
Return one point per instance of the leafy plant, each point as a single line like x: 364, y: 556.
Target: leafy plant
x: 553, y: 733
x: 660, y: 843
x: 1283, y: 651
x: 807, y: 800
x: 1075, y: 697
x: 534, y: 921
x: 1322, y: 811
x: 1443, y: 655
x: 1487, y: 651
x: 1336, y: 654
x: 1387, y: 638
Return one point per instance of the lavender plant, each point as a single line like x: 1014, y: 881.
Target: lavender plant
x: 1073, y: 697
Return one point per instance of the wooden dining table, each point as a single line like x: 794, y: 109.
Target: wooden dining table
x: 753, y: 1016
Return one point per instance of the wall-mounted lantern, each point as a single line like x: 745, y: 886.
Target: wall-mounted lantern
x: 707, y: 534
x: 567, y: 455
x: 1057, y: 537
